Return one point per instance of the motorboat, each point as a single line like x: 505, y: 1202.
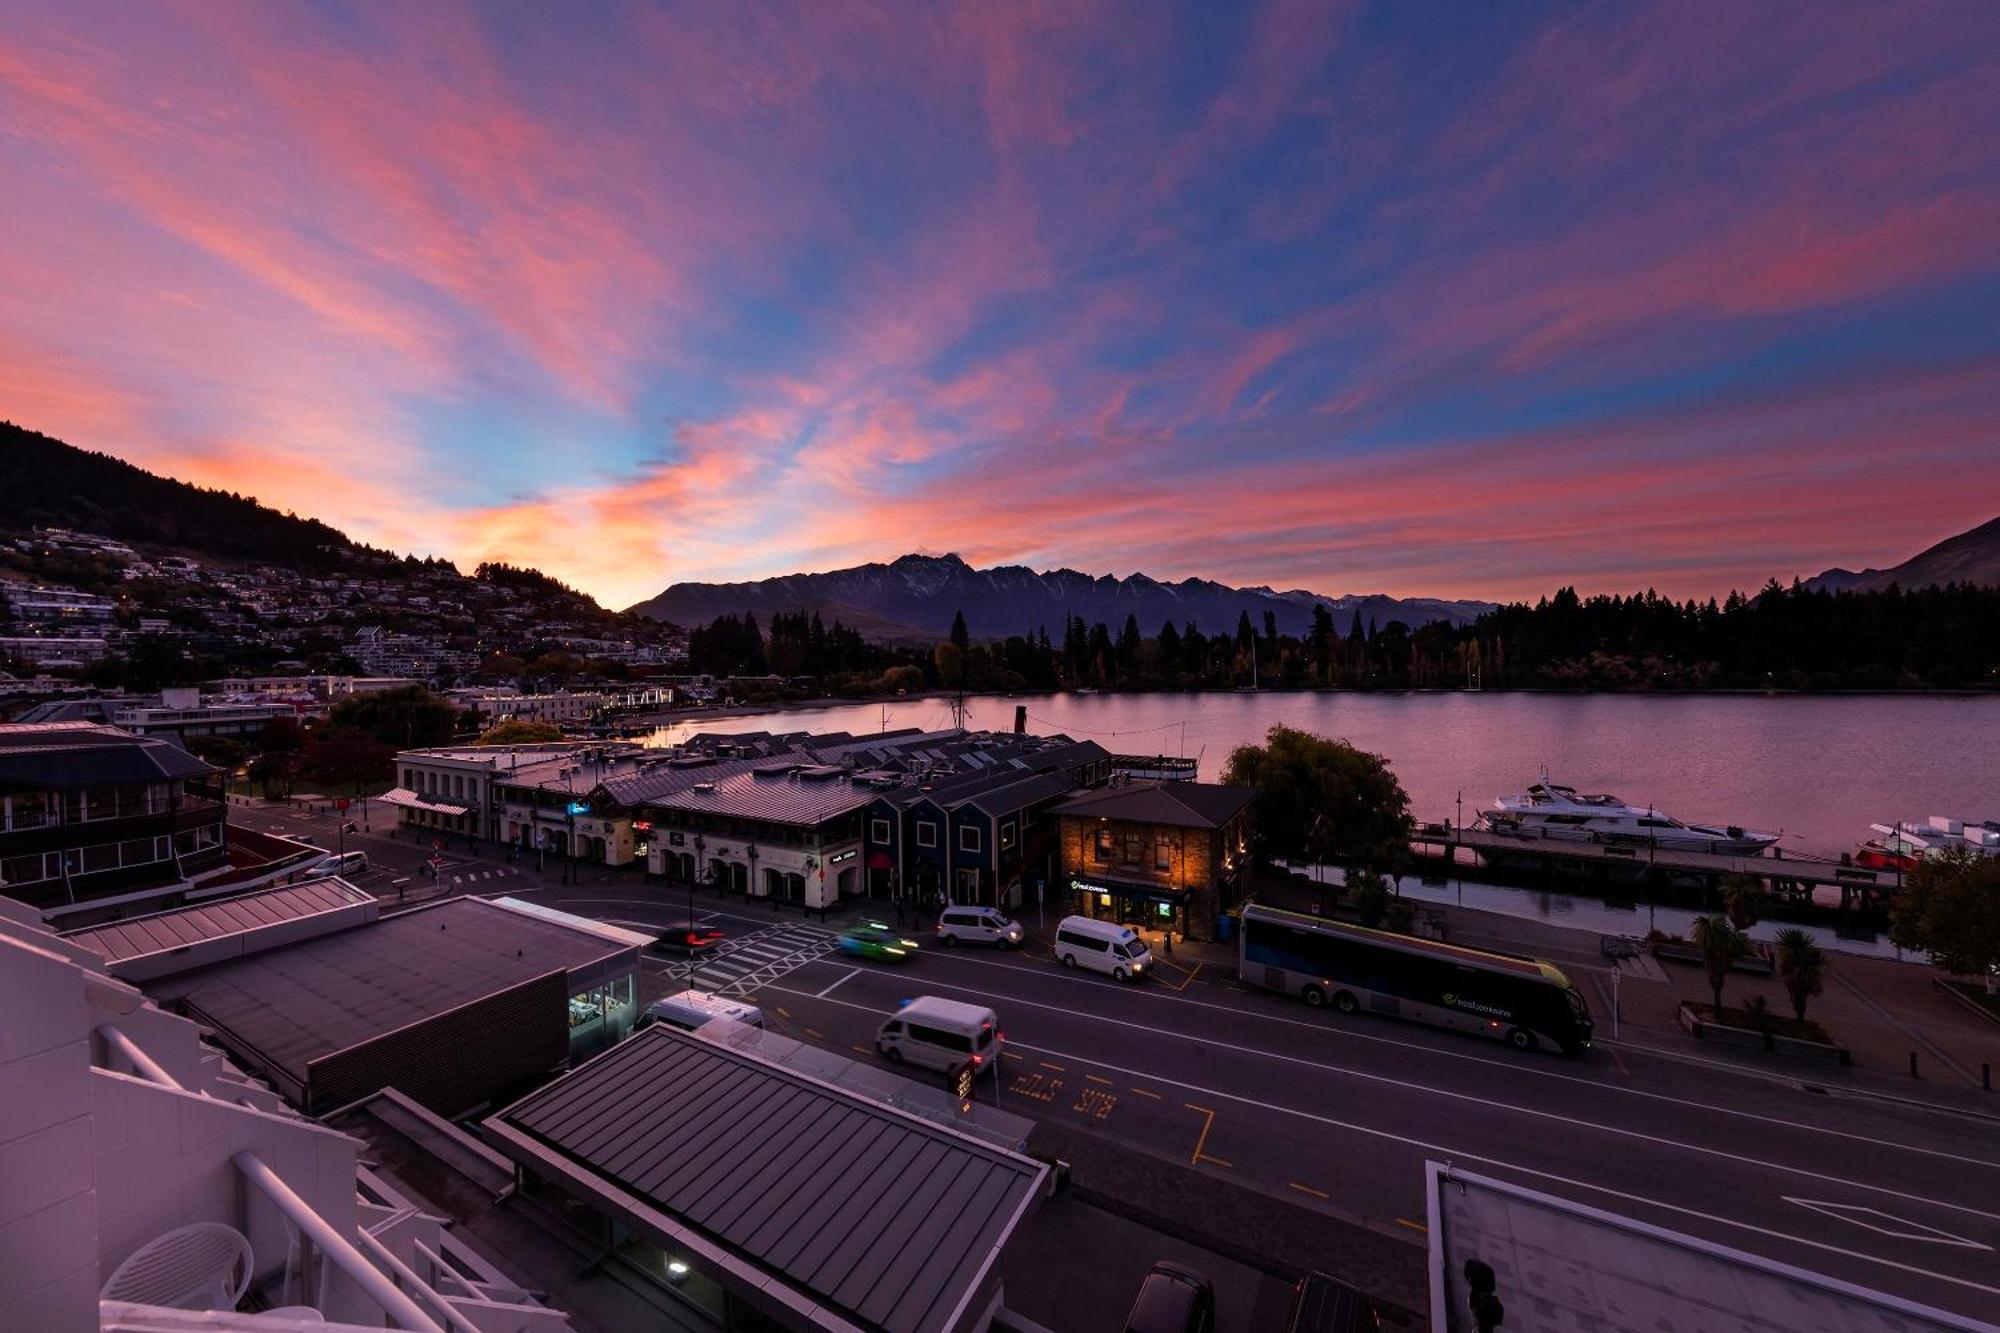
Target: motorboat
x: 1551, y: 810
x: 1900, y: 846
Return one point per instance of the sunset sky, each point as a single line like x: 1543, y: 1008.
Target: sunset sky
x: 1422, y: 298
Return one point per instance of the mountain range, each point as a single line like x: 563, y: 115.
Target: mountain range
x: 914, y: 598
x: 1970, y: 557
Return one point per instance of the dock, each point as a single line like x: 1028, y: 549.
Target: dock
x: 1638, y: 864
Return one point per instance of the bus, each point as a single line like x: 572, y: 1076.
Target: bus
x: 1527, y: 1003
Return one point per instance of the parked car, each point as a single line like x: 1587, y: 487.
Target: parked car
x: 979, y: 925
x: 685, y: 936
x: 1173, y: 1299
x: 874, y: 940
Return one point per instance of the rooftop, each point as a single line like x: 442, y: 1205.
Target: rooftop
x: 1207, y: 805
x: 164, y: 932
x: 856, y: 1215
x: 84, y: 754
x: 298, y: 1003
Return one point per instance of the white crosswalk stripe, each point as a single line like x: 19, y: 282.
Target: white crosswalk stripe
x: 739, y: 966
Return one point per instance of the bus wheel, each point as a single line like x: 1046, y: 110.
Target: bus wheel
x: 1345, y: 1002
x: 1520, y: 1039
x: 1313, y: 996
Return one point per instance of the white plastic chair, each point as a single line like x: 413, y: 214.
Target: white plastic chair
x: 201, y: 1266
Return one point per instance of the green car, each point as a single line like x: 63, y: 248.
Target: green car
x: 874, y: 940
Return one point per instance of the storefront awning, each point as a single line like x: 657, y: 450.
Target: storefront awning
x: 879, y: 861
x: 409, y: 800
x: 1130, y: 889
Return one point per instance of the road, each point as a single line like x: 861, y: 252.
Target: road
x: 1340, y: 1114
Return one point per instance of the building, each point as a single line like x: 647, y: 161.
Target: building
x: 452, y: 1004
x: 94, y: 817
x: 531, y: 797
x: 785, y: 1195
x: 181, y: 715
x: 57, y: 610
x: 69, y: 650
x: 381, y: 653
x: 558, y: 708
x: 121, y: 1128
x: 1165, y: 855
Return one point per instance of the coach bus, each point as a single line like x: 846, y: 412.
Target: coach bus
x: 1524, y: 1002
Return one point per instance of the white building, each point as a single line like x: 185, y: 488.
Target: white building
x: 143, y: 1177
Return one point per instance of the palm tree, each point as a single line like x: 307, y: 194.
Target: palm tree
x: 1802, y: 965
x: 1721, y: 944
x: 1742, y: 898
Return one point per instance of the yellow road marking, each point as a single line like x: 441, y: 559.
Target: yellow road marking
x: 1307, y: 1189
x: 784, y: 1012
x: 1207, y: 1123
x: 815, y: 1034
x: 1414, y: 1226
x: 1046, y: 1065
x: 1095, y: 1079
x: 1145, y: 1093
x: 862, y: 1049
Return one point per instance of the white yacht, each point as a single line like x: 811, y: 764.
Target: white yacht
x: 1550, y: 810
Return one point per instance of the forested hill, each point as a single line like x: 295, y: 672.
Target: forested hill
x: 52, y: 484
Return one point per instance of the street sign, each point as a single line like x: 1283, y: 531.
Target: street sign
x: 437, y: 844
x: 961, y: 1082
x: 342, y: 804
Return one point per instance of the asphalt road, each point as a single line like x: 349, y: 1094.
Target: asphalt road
x: 1340, y: 1114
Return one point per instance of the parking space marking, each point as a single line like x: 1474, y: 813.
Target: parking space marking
x: 1307, y: 1189
x: 1145, y: 1092
x: 1097, y: 1078
x: 1200, y: 1144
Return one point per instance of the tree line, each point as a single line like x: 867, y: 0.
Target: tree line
x: 1783, y: 638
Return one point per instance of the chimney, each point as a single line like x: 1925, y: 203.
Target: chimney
x: 1020, y: 719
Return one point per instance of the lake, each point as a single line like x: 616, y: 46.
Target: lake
x: 1821, y: 768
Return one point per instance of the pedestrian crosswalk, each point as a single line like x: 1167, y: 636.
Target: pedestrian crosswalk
x: 739, y: 966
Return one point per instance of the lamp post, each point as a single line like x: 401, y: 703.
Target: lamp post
x: 751, y: 887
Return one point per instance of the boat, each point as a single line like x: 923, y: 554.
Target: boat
x: 1551, y: 810
x: 1900, y: 846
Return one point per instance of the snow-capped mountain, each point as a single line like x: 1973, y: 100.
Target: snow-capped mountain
x: 915, y: 597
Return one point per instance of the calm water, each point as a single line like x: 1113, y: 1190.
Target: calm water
x: 1819, y: 768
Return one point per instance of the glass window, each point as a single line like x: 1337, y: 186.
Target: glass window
x: 968, y: 838
x: 878, y: 830
x: 1102, y: 850
x: 926, y: 833
x: 1007, y: 835
x: 100, y: 803
x: 1131, y: 850
x: 1163, y: 852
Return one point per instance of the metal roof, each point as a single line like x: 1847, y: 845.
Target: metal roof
x: 84, y: 754
x: 297, y: 1003
x: 183, y: 926
x: 804, y: 1193
x: 1188, y: 804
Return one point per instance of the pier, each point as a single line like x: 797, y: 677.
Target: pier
x: 1443, y: 847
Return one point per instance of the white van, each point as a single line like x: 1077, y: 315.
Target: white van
x: 941, y: 1034
x: 1102, y: 947
x: 689, y: 1009
x: 353, y: 863
x: 978, y: 925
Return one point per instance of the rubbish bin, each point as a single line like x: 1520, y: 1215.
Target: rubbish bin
x: 1223, y: 925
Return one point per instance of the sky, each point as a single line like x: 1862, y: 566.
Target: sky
x: 1420, y: 298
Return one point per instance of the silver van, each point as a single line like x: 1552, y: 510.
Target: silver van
x: 1102, y: 947
x: 689, y: 1009
x: 941, y: 1034
x: 979, y: 925
x: 352, y: 863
